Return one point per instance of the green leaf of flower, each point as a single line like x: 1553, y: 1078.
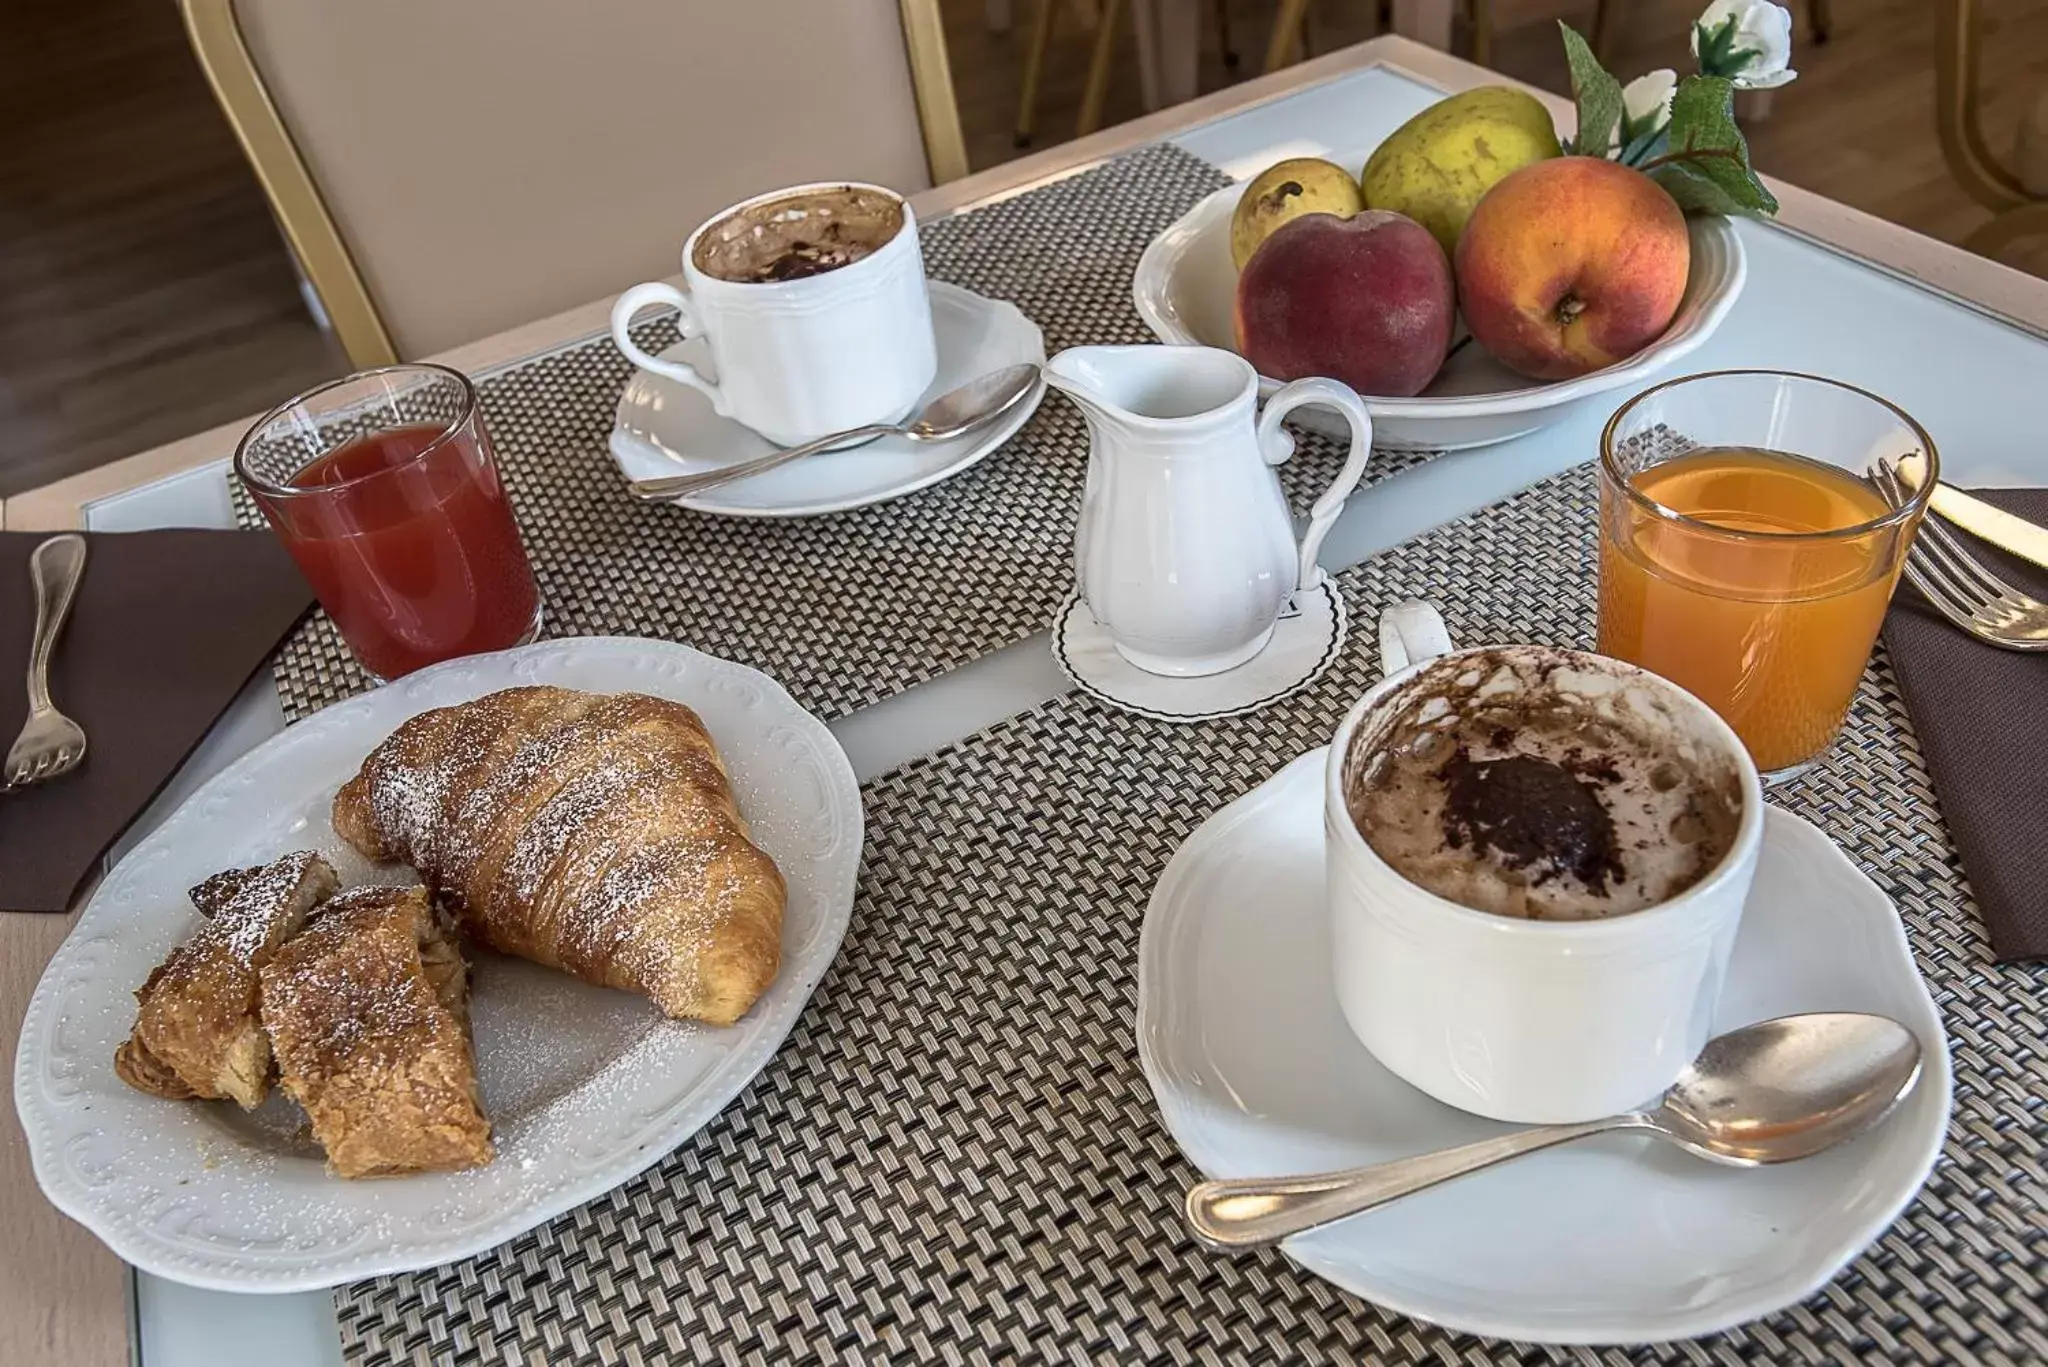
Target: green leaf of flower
x: 1714, y: 48
x: 1597, y: 94
x: 1695, y: 193
x: 1706, y: 167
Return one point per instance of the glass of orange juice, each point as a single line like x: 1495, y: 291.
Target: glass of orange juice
x: 1745, y: 555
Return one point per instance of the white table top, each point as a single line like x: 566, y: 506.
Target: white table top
x: 1966, y: 375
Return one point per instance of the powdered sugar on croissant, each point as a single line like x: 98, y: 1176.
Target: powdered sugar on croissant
x: 595, y: 833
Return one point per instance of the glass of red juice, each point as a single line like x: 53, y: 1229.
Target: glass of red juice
x: 384, y: 488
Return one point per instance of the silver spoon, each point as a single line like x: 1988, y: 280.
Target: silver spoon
x: 953, y: 414
x: 1767, y: 1093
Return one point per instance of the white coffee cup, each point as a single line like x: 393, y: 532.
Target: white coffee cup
x: 801, y: 359
x: 1533, y: 1021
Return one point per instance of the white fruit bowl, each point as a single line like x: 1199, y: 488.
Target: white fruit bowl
x: 1185, y: 290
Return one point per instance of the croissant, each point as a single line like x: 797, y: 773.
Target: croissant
x: 196, y: 1028
x: 593, y: 833
x: 368, y: 1012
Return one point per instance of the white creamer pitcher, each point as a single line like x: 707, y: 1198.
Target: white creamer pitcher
x: 1186, y: 551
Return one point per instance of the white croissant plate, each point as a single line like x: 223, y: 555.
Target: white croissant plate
x: 585, y: 1087
x: 1186, y: 288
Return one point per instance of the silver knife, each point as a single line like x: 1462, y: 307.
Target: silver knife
x: 1995, y: 525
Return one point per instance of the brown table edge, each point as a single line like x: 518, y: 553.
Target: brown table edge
x: 65, y: 1300
x: 94, y: 1284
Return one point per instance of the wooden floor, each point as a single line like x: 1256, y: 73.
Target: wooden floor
x: 145, y: 293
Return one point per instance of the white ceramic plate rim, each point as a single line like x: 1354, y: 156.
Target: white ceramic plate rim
x: 1151, y: 293
x: 114, y: 1212
x: 1693, y: 1322
x: 973, y: 451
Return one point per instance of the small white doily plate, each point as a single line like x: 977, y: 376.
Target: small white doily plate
x: 1305, y: 642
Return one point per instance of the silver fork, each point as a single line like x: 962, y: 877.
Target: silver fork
x: 50, y: 744
x: 1961, y: 587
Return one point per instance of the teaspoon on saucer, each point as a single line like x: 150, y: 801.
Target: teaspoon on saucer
x: 952, y: 415
x: 1770, y: 1092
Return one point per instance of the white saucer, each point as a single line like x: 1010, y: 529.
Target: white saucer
x: 1618, y: 1239
x: 1305, y: 641
x: 665, y: 428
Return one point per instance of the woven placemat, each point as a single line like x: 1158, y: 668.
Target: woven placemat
x: 849, y: 609
x: 955, y: 1157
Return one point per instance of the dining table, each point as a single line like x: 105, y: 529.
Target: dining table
x: 1959, y: 341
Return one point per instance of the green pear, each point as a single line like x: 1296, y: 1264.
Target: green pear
x: 1284, y: 192
x: 1436, y: 167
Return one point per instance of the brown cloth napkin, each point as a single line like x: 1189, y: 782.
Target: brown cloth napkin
x: 1982, y: 717
x: 167, y: 628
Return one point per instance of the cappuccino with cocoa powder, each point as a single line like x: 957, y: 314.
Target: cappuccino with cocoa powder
x: 1544, y: 785
x: 799, y: 235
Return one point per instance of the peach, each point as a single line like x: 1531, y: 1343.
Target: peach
x: 1367, y: 300
x: 1570, y: 265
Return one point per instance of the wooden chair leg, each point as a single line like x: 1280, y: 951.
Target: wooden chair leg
x: 1287, y: 27
x: 1606, y: 18
x: 1034, y: 67
x: 1097, y: 91
x: 1481, y: 18
x: 1819, y: 21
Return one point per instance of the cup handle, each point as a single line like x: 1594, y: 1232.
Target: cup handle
x: 660, y: 292
x: 1411, y: 633
x: 1276, y: 445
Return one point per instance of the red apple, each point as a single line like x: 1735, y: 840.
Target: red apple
x: 1367, y: 300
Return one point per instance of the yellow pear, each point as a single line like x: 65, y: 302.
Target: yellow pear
x: 1284, y: 192
x: 1435, y: 167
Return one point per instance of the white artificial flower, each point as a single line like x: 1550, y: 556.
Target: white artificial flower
x: 1759, y: 57
x: 1647, y: 102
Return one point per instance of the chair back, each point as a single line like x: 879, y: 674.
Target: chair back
x: 467, y: 165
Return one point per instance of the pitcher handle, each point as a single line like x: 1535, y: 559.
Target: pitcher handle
x: 1276, y: 446
x: 646, y: 296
